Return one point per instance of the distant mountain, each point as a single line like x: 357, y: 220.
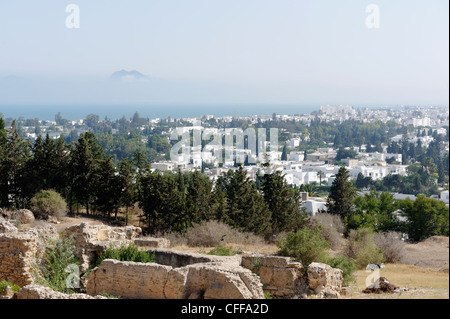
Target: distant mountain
x: 124, y: 75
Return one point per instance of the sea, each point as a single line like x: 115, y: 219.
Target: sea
x: 151, y: 111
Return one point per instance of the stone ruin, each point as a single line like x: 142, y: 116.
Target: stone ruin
x: 91, y: 240
x: 174, y: 275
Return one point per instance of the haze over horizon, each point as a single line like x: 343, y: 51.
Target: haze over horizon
x: 224, y: 52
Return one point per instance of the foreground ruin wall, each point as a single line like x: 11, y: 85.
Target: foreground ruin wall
x: 210, y: 280
x: 91, y: 240
x: 20, y: 250
x: 174, y: 275
x: 283, y: 277
x: 179, y: 275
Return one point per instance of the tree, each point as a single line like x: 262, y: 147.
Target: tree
x: 107, y: 188
x: 245, y: 208
x: 47, y: 168
x: 426, y: 217
x: 127, y: 185
x: 83, y: 167
x: 284, y: 203
x: 284, y: 153
x: 161, y: 202
x: 321, y: 175
x: 375, y: 211
x: 343, y: 154
x: 199, y: 198
x: 342, y: 195
x: 16, y: 155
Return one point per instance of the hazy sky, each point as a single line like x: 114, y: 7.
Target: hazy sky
x: 226, y: 51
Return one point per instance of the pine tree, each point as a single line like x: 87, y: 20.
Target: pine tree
x: 127, y: 185
x: 106, y: 187
x: 199, y: 198
x: 16, y: 156
x: 245, y: 207
x: 284, y: 203
x: 84, y: 164
x: 342, y: 196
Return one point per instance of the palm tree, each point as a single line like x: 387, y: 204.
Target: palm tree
x: 321, y: 174
x: 308, y: 188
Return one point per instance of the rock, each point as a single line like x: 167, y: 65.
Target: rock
x: 7, y: 293
x: 214, y: 280
x: 346, y: 291
x: 18, y: 252
x: 152, y: 242
x: 129, y: 279
x: 224, y: 282
x: 319, y: 289
x: 52, y: 219
x: 25, y: 216
x: 41, y: 292
x: 381, y: 285
x: 329, y: 278
x: 196, y: 295
x: 283, y: 277
x: 7, y: 227
x: 91, y: 240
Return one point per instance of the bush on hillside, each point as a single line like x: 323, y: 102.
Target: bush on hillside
x: 307, y: 245
x: 347, y: 265
x: 48, y: 203
x: 331, y: 227
x: 361, y: 247
x: 392, y: 245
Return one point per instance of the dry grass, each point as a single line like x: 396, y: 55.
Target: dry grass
x: 422, y: 283
x: 250, y: 248
x: 430, y: 253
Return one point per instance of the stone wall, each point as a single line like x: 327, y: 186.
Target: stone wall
x: 178, y: 259
x: 91, y: 240
x: 325, y: 280
x: 283, y: 277
x: 17, y: 257
x: 21, y: 249
x: 213, y: 280
x: 41, y: 292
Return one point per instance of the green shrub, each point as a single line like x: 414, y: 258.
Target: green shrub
x: 347, y: 265
x: 48, y: 203
x: 361, y: 247
x: 4, y: 284
x: 54, y: 269
x: 306, y: 245
x: 129, y: 252
x: 221, y: 250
